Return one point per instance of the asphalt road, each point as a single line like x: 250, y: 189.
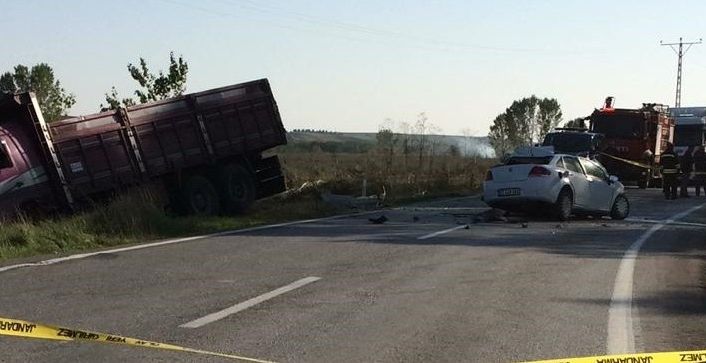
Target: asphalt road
x: 396, y: 292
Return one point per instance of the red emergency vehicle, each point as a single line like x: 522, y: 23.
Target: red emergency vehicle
x: 633, y: 140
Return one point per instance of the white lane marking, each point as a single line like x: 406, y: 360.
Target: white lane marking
x: 656, y: 221
x: 621, y: 338
x: 218, y: 315
x: 177, y: 240
x: 438, y: 233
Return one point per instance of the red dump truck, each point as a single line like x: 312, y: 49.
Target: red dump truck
x: 633, y: 140
x: 206, y: 149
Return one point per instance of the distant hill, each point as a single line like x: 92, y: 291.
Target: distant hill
x: 363, y: 141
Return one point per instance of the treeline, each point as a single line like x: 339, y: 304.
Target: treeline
x: 334, y: 147
x: 320, y: 131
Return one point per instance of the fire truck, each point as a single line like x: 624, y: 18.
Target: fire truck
x: 633, y: 140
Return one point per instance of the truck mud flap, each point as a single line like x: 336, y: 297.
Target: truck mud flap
x: 270, y: 180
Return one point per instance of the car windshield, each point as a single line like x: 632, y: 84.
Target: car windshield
x: 569, y: 142
x: 688, y: 135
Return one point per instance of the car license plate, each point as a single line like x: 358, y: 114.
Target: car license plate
x: 508, y: 192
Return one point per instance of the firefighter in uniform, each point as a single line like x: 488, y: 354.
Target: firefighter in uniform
x: 700, y: 170
x: 669, y: 163
x: 687, y: 166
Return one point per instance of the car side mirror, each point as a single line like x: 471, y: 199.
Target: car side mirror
x: 613, y: 179
x: 565, y: 174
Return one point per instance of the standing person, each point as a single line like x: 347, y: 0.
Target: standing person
x: 700, y: 170
x: 669, y: 164
x: 687, y: 166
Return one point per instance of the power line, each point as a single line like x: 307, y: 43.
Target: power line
x: 357, y: 32
x: 680, y: 54
x: 254, y: 6
x: 318, y: 32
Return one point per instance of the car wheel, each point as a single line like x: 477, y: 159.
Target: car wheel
x: 621, y: 208
x: 563, y: 206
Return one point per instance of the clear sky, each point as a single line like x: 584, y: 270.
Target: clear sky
x: 349, y: 65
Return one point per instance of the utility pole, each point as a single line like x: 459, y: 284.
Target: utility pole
x: 680, y: 53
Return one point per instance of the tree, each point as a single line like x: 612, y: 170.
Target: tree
x: 454, y: 151
x: 577, y: 123
x: 53, y: 99
x: 153, y: 87
x: 525, y: 122
x: 7, y: 83
x: 386, y: 140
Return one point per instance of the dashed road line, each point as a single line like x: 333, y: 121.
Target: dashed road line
x: 210, y: 318
x: 439, y: 233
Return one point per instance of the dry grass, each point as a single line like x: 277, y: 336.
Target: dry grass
x: 402, y: 177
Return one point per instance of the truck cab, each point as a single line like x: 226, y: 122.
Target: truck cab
x: 574, y: 141
x: 24, y: 183
x: 689, y: 127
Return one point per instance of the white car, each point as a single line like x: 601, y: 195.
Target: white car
x: 537, y: 178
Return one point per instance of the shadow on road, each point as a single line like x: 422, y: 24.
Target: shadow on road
x: 675, y: 303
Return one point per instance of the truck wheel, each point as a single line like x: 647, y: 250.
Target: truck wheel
x: 237, y: 188
x: 199, y: 197
x: 621, y: 208
x: 564, y: 205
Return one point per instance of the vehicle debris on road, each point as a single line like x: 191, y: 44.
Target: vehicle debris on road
x: 379, y: 220
x: 491, y: 215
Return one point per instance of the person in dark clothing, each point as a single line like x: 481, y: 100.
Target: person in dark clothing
x: 687, y: 166
x: 669, y: 163
x: 700, y: 170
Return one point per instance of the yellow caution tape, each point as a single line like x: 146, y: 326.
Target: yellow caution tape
x: 26, y: 329
x: 666, y: 357
x: 631, y: 162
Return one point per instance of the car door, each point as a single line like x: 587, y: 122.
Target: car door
x: 578, y: 181
x: 599, y: 185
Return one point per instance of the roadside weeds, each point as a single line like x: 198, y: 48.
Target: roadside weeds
x: 136, y: 217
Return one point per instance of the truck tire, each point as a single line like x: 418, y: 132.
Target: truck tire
x: 237, y: 188
x: 621, y: 208
x: 564, y: 205
x: 198, y: 196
